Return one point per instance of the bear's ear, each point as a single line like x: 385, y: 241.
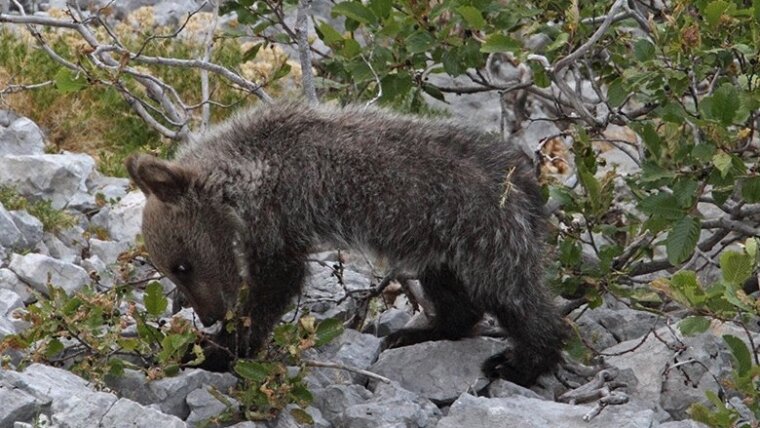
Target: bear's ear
x: 163, y: 179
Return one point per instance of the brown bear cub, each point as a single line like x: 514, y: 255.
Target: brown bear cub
x: 459, y: 208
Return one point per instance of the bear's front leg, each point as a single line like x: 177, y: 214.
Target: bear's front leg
x: 275, y: 281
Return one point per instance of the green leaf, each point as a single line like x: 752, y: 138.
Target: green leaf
x: 116, y: 367
x: 723, y: 105
x: 499, y: 43
x: 328, y: 330
x: 740, y: 352
x: 714, y: 11
x: 67, y: 81
x: 433, y: 92
x: 155, y: 301
x: 750, y: 246
x: 54, y: 346
x: 694, y: 325
x: 351, y: 48
x: 301, y: 417
x: 722, y: 161
x: 328, y: 34
x: 736, y: 267
x: 251, y: 53
x: 451, y: 63
x: 356, y: 11
x: 616, y: 93
x: 472, y: 16
x: 682, y: 240
x: 419, y: 41
x: 302, y: 394
x: 751, y: 189
x: 282, y: 72
x: 381, y: 8
x: 643, y: 50
x: 664, y: 205
x: 253, y: 370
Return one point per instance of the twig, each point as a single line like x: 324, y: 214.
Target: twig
x: 339, y: 366
x: 208, y: 45
x: 304, y: 51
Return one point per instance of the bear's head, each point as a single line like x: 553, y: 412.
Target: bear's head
x: 189, y: 236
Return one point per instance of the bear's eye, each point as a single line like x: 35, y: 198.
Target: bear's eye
x: 182, y: 269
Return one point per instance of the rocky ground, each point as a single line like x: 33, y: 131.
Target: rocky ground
x: 434, y: 384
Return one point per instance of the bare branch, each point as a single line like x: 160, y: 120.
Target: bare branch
x: 304, y: 51
x: 339, y: 366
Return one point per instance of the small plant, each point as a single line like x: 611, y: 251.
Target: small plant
x: 724, y: 300
x: 52, y: 220
x: 88, y: 334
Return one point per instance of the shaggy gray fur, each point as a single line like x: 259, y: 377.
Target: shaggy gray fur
x: 457, y: 207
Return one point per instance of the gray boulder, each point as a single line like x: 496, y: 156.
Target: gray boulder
x: 353, y: 349
x: 390, y: 406
x: 518, y: 411
x: 9, y: 281
x: 126, y: 413
x: 21, y: 137
x: 169, y: 393
x: 9, y: 301
x: 10, y: 236
x: 666, y: 386
x: 17, y: 405
x: 30, y: 227
x: 439, y: 370
x: 65, y: 396
x: 388, y: 322
x: 58, y: 178
x: 57, y: 249
x: 37, y: 270
x: 333, y: 400
x: 108, y: 251
x: 204, y: 406
x: 123, y: 220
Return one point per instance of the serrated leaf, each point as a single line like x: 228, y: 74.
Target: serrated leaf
x: 664, y: 205
x: 643, y: 50
x: 751, y: 189
x: 736, y: 267
x: 472, y: 16
x: 356, y: 11
x: 154, y: 299
x: 419, y: 41
x: 723, y: 104
x: 302, y: 394
x: 328, y: 330
x: 714, y: 11
x: 682, y: 240
x: 694, y: 325
x: 499, y: 43
x: 67, y: 81
x: 54, y: 346
x: 722, y: 162
x: 740, y: 353
x: 451, y: 63
x: 252, y: 370
x: 616, y: 93
x: 750, y: 246
x: 381, y: 8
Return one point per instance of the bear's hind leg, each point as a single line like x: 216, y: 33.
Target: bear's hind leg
x: 455, y: 314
